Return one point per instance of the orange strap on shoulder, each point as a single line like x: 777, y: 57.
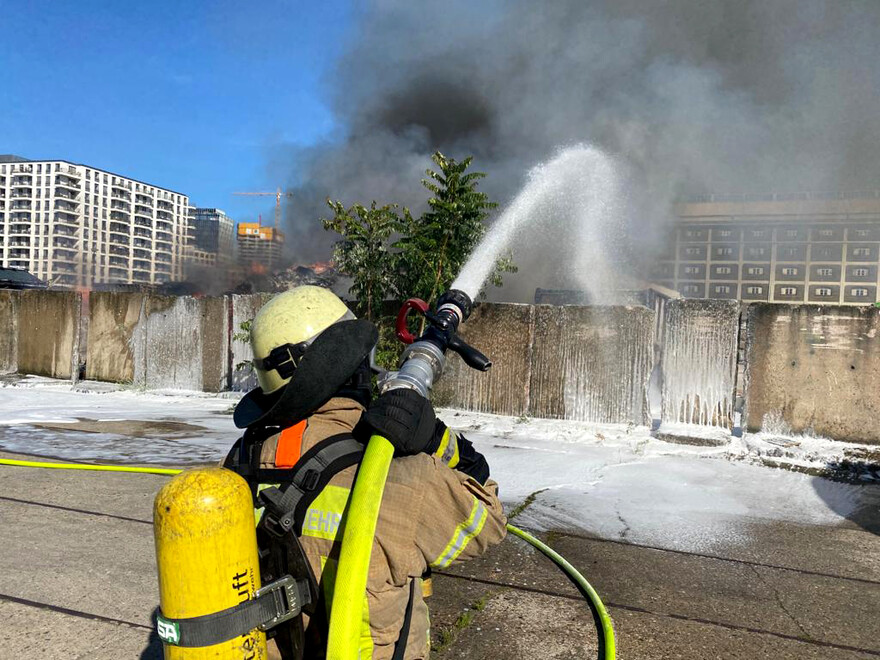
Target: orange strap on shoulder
x: 290, y: 445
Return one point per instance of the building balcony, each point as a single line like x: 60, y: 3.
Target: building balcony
x: 163, y: 268
x: 66, y: 183
x: 66, y: 194
x: 120, y: 206
x: 119, y: 227
x: 66, y: 207
x: 142, y: 265
x: 163, y: 226
x: 72, y: 172
x: 21, y: 205
x: 143, y: 198
x: 64, y: 230
x: 116, y: 193
x: 163, y: 236
x: 19, y: 229
x: 162, y: 258
x: 145, y: 211
x: 19, y: 263
x: 141, y: 243
x: 118, y: 261
x: 20, y: 242
x: 20, y: 253
x: 119, y: 251
x: 22, y: 167
x: 143, y: 233
x: 64, y: 256
x: 119, y: 239
x: 117, y: 272
x: 63, y: 242
x: 22, y: 180
x: 64, y: 267
x: 143, y: 222
x: 139, y: 253
x: 66, y: 218
x: 120, y: 216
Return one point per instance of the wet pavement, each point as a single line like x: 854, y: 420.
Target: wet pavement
x: 79, y: 581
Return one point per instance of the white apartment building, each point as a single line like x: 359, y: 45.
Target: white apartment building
x: 75, y: 225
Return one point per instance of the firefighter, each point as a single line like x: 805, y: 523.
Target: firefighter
x: 312, y: 358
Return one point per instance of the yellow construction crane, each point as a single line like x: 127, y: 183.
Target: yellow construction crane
x: 277, y: 194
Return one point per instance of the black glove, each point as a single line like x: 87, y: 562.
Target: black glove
x: 403, y: 417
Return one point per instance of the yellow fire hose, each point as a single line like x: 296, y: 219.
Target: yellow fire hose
x: 366, y: 498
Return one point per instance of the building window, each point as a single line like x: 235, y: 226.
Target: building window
x: 723, y: 270
x: 861, y: 252
x: 691, y: 270
x: 756, y: 270
x: 823, y: 253
x: 791, y: 233
x: 759, y: 233
x: 690, y: 288
x: 859, y: 293
x: 862, y: 233
x: 824, y: 292
x: 757, y: 252
x: 824, y: 272
x: 788, y: 291
x: 722, y: 289
x: 789, y: 252
x: 755, y: 290
x: 859, y: 272
x: 690, y: 233
x: 826, y: 233
x: 725, y: 233
x: 789, y: 271
x: 724, y: 251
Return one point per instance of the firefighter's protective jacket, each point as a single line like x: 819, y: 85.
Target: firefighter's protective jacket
x: 431, y: 516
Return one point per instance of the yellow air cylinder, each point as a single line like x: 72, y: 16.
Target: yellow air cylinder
x: 206, y: 552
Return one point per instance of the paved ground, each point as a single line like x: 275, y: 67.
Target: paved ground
x: 76, y: 551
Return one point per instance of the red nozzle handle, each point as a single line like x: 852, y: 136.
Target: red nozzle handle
x: 403, y: 334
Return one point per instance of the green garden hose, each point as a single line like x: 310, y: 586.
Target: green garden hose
x: 604, y: 628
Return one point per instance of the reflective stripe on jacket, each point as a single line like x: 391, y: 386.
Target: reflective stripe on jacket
x: 431, y: 515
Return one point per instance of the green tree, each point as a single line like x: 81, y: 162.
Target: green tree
x: 434, y: 247
x: 364, y: 252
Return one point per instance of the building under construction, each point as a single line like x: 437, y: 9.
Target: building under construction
x: 259, y: 246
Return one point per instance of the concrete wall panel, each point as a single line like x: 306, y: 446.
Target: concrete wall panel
x: 592, y: 363
x: 168, y: 344
x: 814, y: 368
x: 244, y: 309
x: 48, y: 332
x: 698, y: 363
x: 215, y: 334
x: 503, y: 333
x: 9, y: 302
x: 113, y: 318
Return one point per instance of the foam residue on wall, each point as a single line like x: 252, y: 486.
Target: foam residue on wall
x: 591, y: 363
x: 244, y: 309
x: 698, y: 362
x: 167, y: 344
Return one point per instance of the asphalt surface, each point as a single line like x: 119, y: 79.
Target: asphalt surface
x: 76, y: 551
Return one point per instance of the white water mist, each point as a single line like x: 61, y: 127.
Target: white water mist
x: 569, y: 210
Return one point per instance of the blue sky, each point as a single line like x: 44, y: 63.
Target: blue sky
x: 192, y: 96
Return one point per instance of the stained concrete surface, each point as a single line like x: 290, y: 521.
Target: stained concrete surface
x: 78, y: 545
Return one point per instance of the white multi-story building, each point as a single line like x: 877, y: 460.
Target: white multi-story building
x: 76, y: 225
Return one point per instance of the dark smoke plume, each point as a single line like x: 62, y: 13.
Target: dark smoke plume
x: 691, y: 96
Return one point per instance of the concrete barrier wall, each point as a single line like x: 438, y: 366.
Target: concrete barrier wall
x: 113, y: 318
x: 503, y: 332
x: 9, y: 301
x: 814, y: 368
x: 583, y: 363
x: 698, y: 361
x: 591, y: 363
x: 244, y: 308
x: 48, y: 332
